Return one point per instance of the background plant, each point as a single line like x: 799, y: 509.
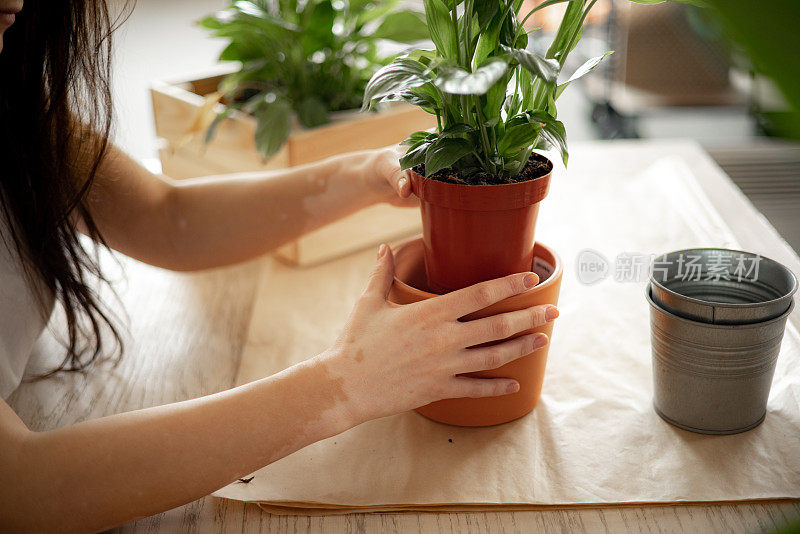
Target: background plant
x: 767, y: 33
x: 303, y: 58
x: 495, y: 100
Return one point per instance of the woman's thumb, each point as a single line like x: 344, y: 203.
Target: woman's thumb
x: 380, y: 281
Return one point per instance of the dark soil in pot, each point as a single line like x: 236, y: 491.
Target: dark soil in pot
x: 536, y: 167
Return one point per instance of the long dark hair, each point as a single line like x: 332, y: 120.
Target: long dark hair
x: 55, y: 120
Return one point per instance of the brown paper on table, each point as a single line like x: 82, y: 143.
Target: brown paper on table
x: 594, y: 438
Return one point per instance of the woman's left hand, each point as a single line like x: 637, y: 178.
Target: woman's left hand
x: 381, y: 174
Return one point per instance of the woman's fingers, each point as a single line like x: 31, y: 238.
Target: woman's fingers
x: 505, y: 325
x: 462, y: 386
x: 389, y: 168
x: 382, y: 276
x: 473, y: 298
x: 403, y: 186
x: 485, y: 358
x: 399, y: 181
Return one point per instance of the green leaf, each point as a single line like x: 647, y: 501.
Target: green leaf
x: 424, y: 55
x: 768, y: 35
x: 393, y: 79
x: 440, y: 27
x: 550, y: 104
x: 422, y: 100
x: 485, y: 11
x: 556, y: 135
x: 487, y: 42
x: 546, y: 3
x: 274, y: 121
x: 546, y: 69
x: 569, y: 32
x: 518, y: 137
x: 444, y: 152
x: 581, y: 71
x: 456, y: 129
x: 512, y: 105
x: 526, y: 88
x: 509, y: 31
x: 211, y: 23
x: 312, y: 112
x: 552, y: 130
x: 415, y: 156
x: 457, y: 81
x: 494, y: 99
x: 417, y: 137
x: 319, y: 31
x: 402, y: 26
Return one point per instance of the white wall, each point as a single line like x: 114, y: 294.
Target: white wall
x: 160, y: 40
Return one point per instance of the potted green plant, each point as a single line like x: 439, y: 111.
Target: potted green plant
x: 478, y: 175
x: 304, y: 60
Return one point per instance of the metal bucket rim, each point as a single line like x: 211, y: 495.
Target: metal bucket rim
x: 654, y: 304
x: 728, y: 305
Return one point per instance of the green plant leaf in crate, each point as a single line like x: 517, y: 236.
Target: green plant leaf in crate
x: 274, y: 121
x: 311, y: 112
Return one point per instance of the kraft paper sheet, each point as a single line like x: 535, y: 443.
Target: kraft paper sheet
x: 594, y: 438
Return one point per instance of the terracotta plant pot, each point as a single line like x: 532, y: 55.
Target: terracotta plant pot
x: 411, y: 285
x: 475, y: 233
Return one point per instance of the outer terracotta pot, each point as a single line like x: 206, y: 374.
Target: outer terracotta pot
x: 410, y: 285
x: 475, y: 233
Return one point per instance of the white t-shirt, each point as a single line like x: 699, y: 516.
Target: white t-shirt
x: 22, y: 317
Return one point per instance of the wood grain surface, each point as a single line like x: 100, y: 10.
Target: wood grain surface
x: 185, y: 335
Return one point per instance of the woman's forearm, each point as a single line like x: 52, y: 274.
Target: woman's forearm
x: 218, y: 220
x: 104, y: 472
x: 224, y: 219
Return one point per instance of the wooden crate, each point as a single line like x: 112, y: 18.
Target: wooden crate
x: 177, y: 105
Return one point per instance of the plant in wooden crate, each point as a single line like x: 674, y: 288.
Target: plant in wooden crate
x: 303, y: 59
x: 477, y: 174
x: 300, y: 62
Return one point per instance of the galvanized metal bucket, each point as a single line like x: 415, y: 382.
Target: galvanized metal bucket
x: 721, y: 286
x: 712, y: 378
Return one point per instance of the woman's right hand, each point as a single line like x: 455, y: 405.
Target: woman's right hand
x: 391, y: 358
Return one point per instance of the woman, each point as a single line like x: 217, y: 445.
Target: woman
x: 59, y: 175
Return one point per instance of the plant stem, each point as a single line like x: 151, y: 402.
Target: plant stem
x: 454, y: 16
x: 484, y: 137
x: 468, y: 5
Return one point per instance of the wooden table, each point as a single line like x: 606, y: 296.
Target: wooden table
x: 187, y: 333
